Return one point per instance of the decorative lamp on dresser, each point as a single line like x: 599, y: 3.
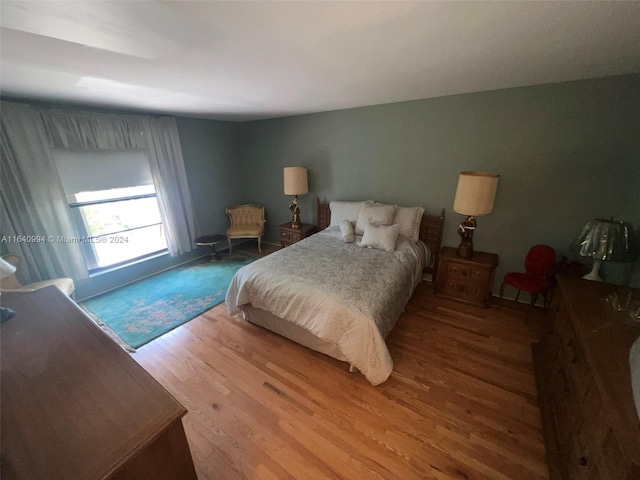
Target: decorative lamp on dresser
x: 466, y: 280
x: 77, y: 406
x: 589, y: 417
x: 290, y: 235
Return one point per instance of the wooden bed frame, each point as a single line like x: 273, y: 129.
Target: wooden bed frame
x: 431, y: 229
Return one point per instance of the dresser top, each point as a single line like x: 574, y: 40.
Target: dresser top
x: 74, y: 404
x: 606, y: 337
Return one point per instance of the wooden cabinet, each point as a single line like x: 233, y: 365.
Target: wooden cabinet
x: 77, y: 406
x: 289, y: 235
x: 466, y: 280
x: 590, y: 423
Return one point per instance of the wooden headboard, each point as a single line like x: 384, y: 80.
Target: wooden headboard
x: 431, y: 229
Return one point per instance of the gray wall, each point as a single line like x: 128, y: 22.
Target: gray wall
x: 566, y: 153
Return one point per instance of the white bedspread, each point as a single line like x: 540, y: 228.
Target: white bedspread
x: 346, y: 295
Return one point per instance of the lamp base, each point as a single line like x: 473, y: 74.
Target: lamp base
x: 295, y: 210
x: 593, y: 274
x: 465, y: 230
x: 6, y: 313
x: 465, y: 250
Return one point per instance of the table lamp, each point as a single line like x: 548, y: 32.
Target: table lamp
x: 6, y: 270
x: 475, y: 196
x: 606, y: 240
x: 295, y: 183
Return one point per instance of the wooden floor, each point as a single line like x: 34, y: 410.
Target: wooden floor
x: 460, y: 404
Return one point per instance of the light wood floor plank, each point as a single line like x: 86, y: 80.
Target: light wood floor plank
x: 460, y: 404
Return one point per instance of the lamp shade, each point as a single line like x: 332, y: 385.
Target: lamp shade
x: 6, y: 269
x: 610, y: 240
x: 295, y: 181
x: 476, y: 193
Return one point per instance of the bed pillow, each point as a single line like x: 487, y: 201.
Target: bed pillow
x: 344, y: 211
x: 346, y: 229
x: 409, y: 219
x: 382, y: 237
x: 372, y: 213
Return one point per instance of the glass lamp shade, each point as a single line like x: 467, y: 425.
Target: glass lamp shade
x: 6, y: 269
x: 609, y: 240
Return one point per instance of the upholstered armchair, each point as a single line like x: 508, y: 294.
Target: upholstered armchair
x: 247, y: 221
x: 12, y: 284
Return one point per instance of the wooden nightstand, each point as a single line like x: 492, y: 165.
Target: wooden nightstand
x: 289, y: 236
x: 466, y: 280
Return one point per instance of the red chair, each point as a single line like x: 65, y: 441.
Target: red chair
x: 539, y: 265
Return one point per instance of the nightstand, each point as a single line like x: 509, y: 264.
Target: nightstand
x: 289, y: 235
x: 466, y: 280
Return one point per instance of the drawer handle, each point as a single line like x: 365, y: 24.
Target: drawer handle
x: 582, y: 461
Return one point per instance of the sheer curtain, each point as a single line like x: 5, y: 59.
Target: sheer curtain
x: 160, y: 137
x: 33, y: 208
x: 33, y: 200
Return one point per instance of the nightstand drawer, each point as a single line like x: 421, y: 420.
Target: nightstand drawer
x: 464, y: 290
x: 467, y: 280
x: 290, y: 235
x: 466, y: 271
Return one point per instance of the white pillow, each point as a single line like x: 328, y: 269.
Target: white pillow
x: 409, y: 219
x: 344, y: 211
x: 346, y: 229
x: 378, y: 214
x: 382, y: 237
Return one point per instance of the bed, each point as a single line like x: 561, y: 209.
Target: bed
x: 334, y: 297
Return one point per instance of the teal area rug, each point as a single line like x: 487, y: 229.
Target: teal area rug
x: 144, y: 310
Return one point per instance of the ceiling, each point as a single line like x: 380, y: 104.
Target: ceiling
x: 250, y: 60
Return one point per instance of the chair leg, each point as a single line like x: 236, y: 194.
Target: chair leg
x: 534, y: 299
x: 229, y: 240
x: 518, y: 294
x: 502, y: 289
x: 259, y: 246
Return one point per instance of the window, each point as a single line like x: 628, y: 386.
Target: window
x: 113, y: 203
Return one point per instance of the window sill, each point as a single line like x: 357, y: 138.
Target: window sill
x: 96, y: 272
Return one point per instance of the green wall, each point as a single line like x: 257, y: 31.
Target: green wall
x: 566, y: 153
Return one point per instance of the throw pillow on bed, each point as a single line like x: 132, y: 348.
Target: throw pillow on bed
x: 371, y: 213
x: 409, y: 219
x: 344, y: 211
x: 346, y: 229
x: 382, y: 237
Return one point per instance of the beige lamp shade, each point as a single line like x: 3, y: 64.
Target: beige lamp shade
x: 295, y: 181
x: 476, y: 193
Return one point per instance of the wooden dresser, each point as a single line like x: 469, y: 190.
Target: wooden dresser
x: 289, y: 235
x: 76, y: 406
x: 466, y: 280
x: 590, y: 424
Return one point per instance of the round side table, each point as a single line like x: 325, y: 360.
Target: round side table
x: 211, y: 241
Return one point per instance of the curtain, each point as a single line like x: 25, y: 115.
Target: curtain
x: 34, y: 213
x: 160, y: 137
x: 170, y: 178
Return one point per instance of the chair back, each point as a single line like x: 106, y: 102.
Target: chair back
x: 246, y: 215
x: 540, y: 260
